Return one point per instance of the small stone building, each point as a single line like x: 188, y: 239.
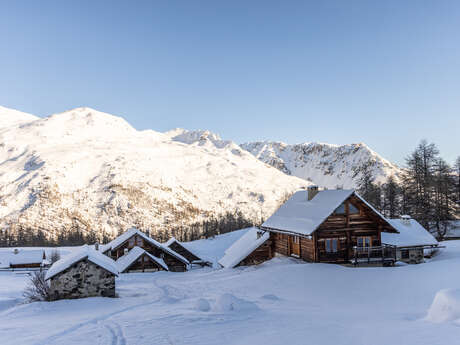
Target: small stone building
x: 86, y: 273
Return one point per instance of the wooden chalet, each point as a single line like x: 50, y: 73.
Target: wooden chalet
x: 139, y: 260
x: 136, y: 238
x: 336, y: 226
x: 187, y: 253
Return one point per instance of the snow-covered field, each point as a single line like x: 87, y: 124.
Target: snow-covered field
x: 284, y: 301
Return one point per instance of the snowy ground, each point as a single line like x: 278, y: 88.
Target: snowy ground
x: 281, y: 301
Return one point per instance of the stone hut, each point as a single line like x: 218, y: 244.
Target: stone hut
x: 86, y: 273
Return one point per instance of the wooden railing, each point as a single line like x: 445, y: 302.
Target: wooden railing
x: 385, y: 254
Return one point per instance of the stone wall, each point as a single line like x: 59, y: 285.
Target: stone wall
x: 82, y: 279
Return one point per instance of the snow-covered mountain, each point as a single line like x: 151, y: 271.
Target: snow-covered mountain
x: 11, y: 117
x: 91, y: 170
x: 326, y: 165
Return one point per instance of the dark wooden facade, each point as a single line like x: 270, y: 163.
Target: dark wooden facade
x: 174, y: 264
x: 180, y: 249
x: 261, y: 254
x: 144, y: 264
x: 353, y: 224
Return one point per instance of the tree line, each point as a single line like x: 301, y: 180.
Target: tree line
x: 20, y: 236
x: 428, y: 189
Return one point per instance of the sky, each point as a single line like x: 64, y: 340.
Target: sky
x: 386, y: 73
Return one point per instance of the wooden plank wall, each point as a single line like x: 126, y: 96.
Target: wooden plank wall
x: 261, y: 254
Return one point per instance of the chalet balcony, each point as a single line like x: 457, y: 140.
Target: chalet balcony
x: 385, y: 255
x: 338, y: 256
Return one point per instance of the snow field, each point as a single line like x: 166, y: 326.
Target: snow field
x: 281, y: 301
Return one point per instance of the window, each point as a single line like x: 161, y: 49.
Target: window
x: 340, y: 209
x: 352, y: 209
x: 332, y: 245
x: 295, y: 239
x: 364, y: 242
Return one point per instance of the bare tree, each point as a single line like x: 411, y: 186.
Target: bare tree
x: 55, y: 256
x: 38, y: 288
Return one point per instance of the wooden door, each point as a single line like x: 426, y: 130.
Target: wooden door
x: 294, y: 246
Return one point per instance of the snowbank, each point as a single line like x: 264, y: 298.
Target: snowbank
x: 445, y: 306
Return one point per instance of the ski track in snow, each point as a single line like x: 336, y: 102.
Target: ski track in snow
x: 114, y: 328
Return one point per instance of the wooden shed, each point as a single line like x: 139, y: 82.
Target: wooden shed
x: 182, y: 249
x: 85, y: 273
x: 413, y: 242
x: 253, y: 248
x: 136, y: 238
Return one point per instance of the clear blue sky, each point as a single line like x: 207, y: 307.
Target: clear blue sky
x: 386, y: 73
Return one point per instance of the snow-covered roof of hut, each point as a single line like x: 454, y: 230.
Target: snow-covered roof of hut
x: 85, y: 252
x: 411, y: 234
x: 303, y: 216
x: 126, y: 260
x: 240, y: 250
x: 133, y: 231
x: 25, y: 257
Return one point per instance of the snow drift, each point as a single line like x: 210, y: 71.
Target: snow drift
x: 445, y: 306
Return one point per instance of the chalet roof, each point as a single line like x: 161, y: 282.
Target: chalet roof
x: 411, y: 234
x: 24, y: 257
x: 133, y: 231
x: 85, y: 252
x: 184, y: 245
x: 243, y: 247
x: 126, y: 260
x: 303, y: 216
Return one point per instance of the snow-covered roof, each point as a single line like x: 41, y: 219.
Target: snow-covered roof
x: 133, y: 231
x: 24, y: 257
x: 243, y: 247
x: 84, y: 253
x: 411, y: 233
x: 126, y: 260
x: 173, y: 239
x: 453, y: 229
x: 303, y: 216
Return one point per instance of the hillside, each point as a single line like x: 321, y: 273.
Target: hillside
x: 84, y: 169
x: 326, y: 165
x: 10, y: 117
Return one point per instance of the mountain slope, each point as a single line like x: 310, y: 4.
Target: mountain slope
x: 324, y: 164
x: 89, y: 170
x: 10, y: 117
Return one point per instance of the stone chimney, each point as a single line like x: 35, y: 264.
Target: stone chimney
x: 96, y: 246
x: 125, y: 251
x: 312, y: 191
